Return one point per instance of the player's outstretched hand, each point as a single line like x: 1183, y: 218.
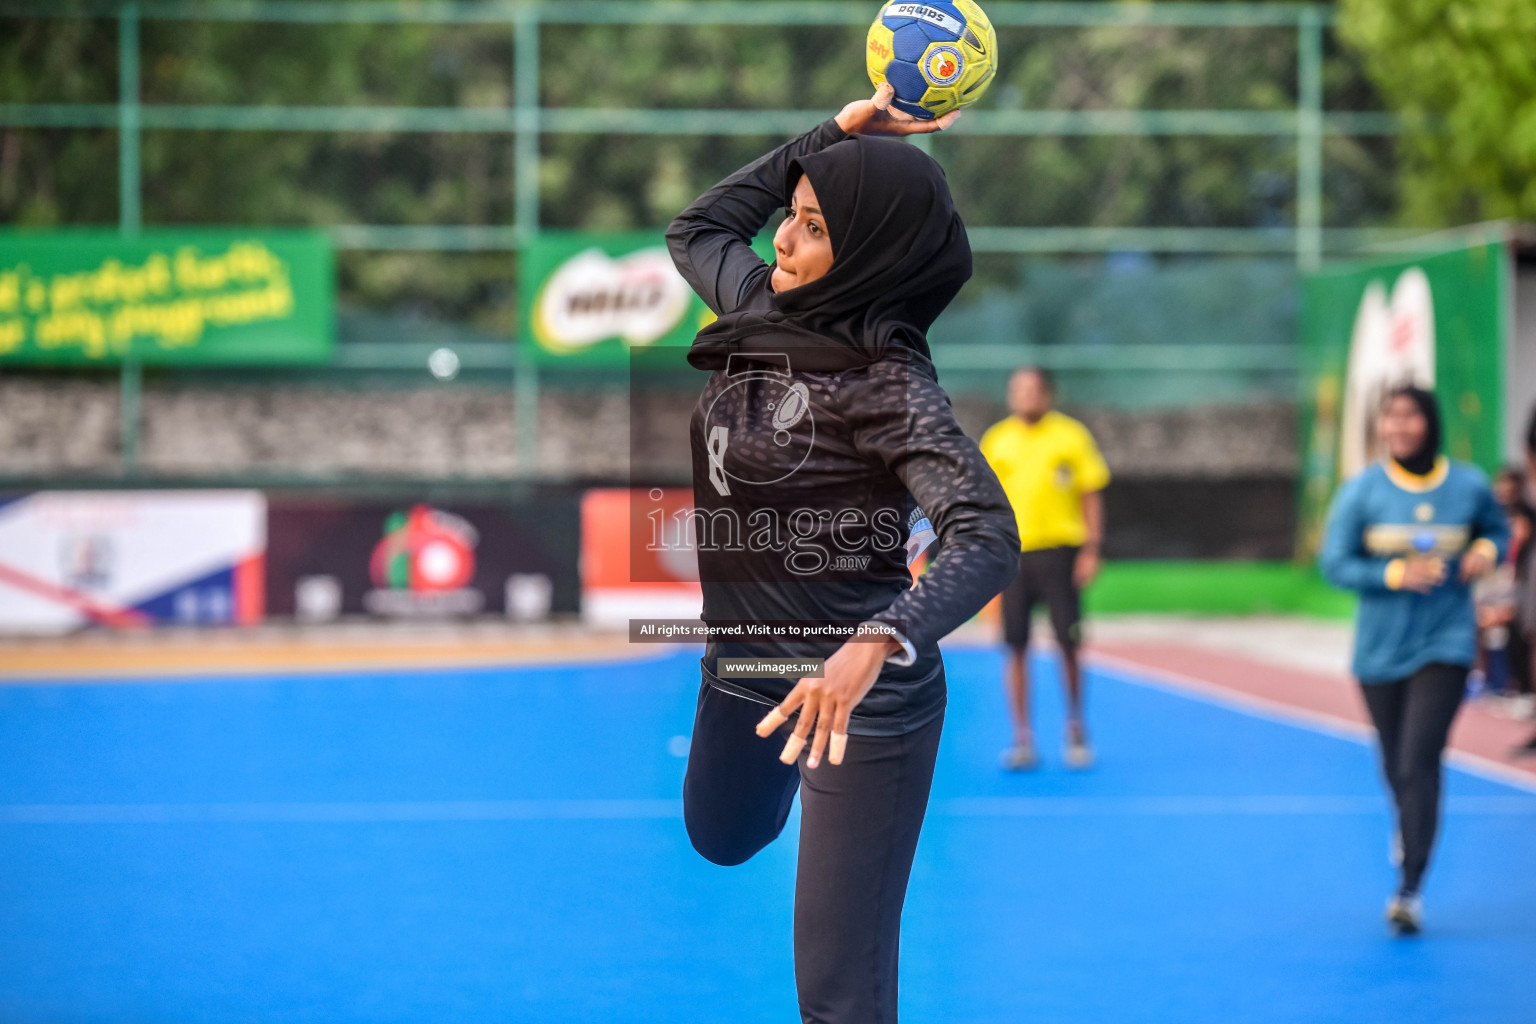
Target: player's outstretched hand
x: 827, y: 703
x: 876, y: 116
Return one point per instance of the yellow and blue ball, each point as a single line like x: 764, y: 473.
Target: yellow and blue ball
x: 938, y: 55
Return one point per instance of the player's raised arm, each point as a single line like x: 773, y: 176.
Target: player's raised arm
x: 711, y: 241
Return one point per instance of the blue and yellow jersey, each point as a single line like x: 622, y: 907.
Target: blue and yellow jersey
x: 1378, y: 520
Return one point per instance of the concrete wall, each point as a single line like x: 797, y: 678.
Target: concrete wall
x: 70, y: 427
x: 1204, y: 441
x: 56, y: 427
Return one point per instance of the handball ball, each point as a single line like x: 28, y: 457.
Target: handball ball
x: 937, y: 56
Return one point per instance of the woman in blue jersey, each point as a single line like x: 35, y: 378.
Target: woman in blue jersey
x: 1410, y: 534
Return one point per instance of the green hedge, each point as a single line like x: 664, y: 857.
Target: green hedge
x: 1216, y: 588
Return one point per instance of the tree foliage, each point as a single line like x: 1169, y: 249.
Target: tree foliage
x: 621, y: 181
x: 1462, y: 75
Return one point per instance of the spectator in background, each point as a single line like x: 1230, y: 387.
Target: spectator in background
x: 1052, y: 472
x: 1526, y: 587
x: 1509, y: 486
x: 1503, y: 658
x: 1522, y: 668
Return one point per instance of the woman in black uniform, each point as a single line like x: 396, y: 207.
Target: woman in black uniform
x: 821, y: 430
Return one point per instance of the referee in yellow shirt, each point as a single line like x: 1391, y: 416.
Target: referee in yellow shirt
x: 1052, y: 472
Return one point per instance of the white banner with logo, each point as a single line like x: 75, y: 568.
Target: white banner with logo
x: 70, y: 559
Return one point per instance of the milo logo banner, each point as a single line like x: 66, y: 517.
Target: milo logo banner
x: 1438, y: 321
x: 166, y: 297
x: 591, y: 299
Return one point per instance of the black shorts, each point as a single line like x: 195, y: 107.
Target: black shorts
x: 1044, y: 575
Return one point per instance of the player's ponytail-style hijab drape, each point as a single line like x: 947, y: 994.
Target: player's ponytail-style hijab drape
x: 899, y: 255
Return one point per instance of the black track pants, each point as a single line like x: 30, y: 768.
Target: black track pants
x: 1413, y: 720
x: 1519, y: 654
x: 858, y: 833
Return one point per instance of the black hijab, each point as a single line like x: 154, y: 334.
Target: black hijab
x: 1422, y: 461
x: 899, y: 255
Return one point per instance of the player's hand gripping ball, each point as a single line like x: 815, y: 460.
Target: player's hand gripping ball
x: 938, y: 56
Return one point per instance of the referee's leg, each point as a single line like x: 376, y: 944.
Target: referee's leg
x: 1018, y: 606
x: 1064, y: 600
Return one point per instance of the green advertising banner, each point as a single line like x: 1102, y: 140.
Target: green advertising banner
x: 1440, y: 321
x: 588, y: 299
x: 183, y: 297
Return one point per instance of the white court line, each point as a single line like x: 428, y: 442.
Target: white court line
x: 1196, y: 806
x: 428, y: 811
x: 337, y: 812
x: 1137, y: 674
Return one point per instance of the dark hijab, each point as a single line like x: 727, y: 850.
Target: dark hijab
x: 1422, y: 461
x: 899, y: 255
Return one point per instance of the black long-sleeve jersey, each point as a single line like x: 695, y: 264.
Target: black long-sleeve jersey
x: 805, y: 481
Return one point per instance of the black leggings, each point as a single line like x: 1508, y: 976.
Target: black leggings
x: 1519, y: 654
x: 1413, y: 719
x: 858, y: 832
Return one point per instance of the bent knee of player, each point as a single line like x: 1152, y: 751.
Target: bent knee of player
x: 722, y: 835
x: 726, y: 848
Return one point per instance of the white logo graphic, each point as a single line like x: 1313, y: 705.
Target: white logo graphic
x: 87, y: 561
x: 1393, y: 344
x: 719, y: 437
x: 766, y: 405
x: 792, y: 409
x: 922, y: 12
x: 591, y: 296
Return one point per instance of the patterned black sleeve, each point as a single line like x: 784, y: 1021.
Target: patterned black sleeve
x: 711, y: 241
x: 902, y: 416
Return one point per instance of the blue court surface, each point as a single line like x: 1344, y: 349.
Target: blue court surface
x: 507, y: 845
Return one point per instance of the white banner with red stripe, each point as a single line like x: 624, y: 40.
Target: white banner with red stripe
x: 124, y: 558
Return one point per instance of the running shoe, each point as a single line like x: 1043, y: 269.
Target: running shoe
x: 1078, y: 755
x: 1020, y: 757
x: 1405, y: 913
x: 1521, y: 707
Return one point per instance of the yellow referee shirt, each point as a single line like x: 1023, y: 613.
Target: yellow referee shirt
x: 1045, y: 469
